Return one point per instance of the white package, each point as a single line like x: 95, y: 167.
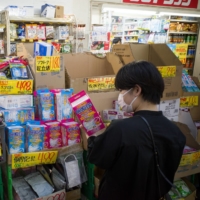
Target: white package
x: 62, y: 33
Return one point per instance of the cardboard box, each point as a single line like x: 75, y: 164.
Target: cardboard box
x: 158, y: 54
x: 51, y: 80
x: 59, y: 13
x: 73, y: 195
x: 61, y: 195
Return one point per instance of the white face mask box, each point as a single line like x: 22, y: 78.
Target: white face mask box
x: 109, y: 115
x: 16, y: 101
x: 48, y: 11
x: 170, y: 108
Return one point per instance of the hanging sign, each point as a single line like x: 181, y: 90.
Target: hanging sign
x: 171, y: 3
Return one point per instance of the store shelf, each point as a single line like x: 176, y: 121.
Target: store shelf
x: 29, y: 40
x: 131, y: 41
x: 186, y: 21
x: 40, y: 20
x: 189, y: 69
x: 117, y: 36
x: 117, y: 23
x: 131, y: 30
x: 190, y: 56
x: 187, y: 33
x: 132, y: 35
x: 116, y: 31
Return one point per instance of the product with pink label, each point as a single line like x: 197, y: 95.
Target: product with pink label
x: 70, y: 133
x: 53, y: 136
x: 86, y: 113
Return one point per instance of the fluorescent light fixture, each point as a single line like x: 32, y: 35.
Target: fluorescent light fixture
x: 180, y: 14
x: 130, y: 11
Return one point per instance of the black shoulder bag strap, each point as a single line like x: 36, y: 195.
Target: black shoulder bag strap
x: 156, y: 158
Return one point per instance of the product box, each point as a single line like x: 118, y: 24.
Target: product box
x: 59, y: 13
x: 26, y: 11
x: 70, y: 133
x: 158, y: 54
x: 170, y: 108
x: 43, y: 49
x: 53, y: 136
x: 34, y: 137
x: 15, y: 139
x: 86, y: 113
x: 13, y: 10
x: 48, y: 11
x: 43, y: 79
x: 62, y: 32
x: 73, y: 195
x: 109, y: 115
x: 16, y: 101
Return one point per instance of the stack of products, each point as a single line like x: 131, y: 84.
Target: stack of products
x: 188, y: 85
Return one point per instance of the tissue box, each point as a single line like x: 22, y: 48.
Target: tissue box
x: 43, y: 49
x: 26, y: 11
x: 48, y: 11
x: 16, y: 101
x: 13, y: 10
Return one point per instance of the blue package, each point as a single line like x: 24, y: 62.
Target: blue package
x: 34, y: 137
x: 21, y: 31
x: 16, y: 139
x: 43, y: 49
x: 18, y: 71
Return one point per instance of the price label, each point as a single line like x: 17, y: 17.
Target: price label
x: 186, y: 160
x: 103, y: 83
x: 189, y: 101
x: 23, y: 40
x: 48, y: 41
x: 31, y: 159
x: 48, y: 63
x: 31, y: 40
x: 16, y: 86
x: 167, y: 71
x: 195, y: 157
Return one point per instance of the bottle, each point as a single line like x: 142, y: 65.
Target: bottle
x: 195, y: 39
x: 191, y: 63
x: 185, y: 39
x: 191, y: 39
x: 188, y: 39
x: 175, y: 38
x: 187, y: 65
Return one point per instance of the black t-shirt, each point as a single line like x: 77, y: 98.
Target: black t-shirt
x: 125, y: 151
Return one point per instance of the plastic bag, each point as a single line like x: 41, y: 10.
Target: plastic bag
x: 182, y: 188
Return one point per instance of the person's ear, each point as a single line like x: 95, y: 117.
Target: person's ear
x: 137, y: 90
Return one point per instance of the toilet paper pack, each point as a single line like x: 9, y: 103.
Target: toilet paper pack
x: 86, y: 113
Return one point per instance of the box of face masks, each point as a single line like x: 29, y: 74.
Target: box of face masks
x: 43, y: 49
x: 48, y: 11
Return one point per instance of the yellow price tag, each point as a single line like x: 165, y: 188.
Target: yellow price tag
x: 31, y: 159
x: 186, y: 159
x: 23, y: 40
x: 189, y: 101
x: 48, y: 41
x: 103, y: 83
x: 31, y: 40
x: 195, y: 157
x: 47, y: 63
x: 55, y: 40
x: 39, y: 40
x: 167, y: 71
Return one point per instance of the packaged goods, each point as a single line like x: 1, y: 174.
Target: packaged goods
x: 41, y: 187
x: 23, y: 189
x: 15, y: 139
x: 58, y: 180
x: 13, y: 31
x: 18, y: 70
x: 53, y: 136
x: 16, y: 101
x: 48, y: 11
x: 46, y: 106
x: 70, y: 133
x: 62, y: 32
x: 21, y: 31
x: 50, y: 32
x: 43, y: 49
x: 12, y: 10
x: 62, y: 105
x: 86, y: 113
x: 41, y: 32
x: 182, y: 188
x: 34, y: 137
x: 66, y: 48
x: 116, y: 106
x: 174, y: 194
x: 31, y: 31
x: 109, y: 115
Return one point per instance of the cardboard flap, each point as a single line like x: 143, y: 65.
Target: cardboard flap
x: 190, y: 141
x: 115, y: 61
x: 140, y: 51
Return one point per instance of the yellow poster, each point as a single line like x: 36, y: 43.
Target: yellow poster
x: 181, y: 52
x: 167, y: 71
x: 189, y: 101
x: 35, y: 158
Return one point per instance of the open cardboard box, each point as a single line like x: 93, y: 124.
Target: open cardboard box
x: 158, y: 54
x: 51, y: 80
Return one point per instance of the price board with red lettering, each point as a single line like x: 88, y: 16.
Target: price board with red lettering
x: 35, y: 158
x: 189, y: 101
x: 47, y: 63
x: 167, y: 71
x: 16, y: 86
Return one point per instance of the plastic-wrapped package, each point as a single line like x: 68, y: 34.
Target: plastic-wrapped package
x: 39, y: 184
x: 58, y: 180
x: 182, y: 188
x: 50, y: 32
x: 31, y: 31
x: 41, y: 32
x: 13, y: 31
x: 174, y: 194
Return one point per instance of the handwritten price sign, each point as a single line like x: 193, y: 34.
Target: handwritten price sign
x: 16, y: 86
x: 61, y: 195
x: 167, y: 71
x: 189, y: 101
x: 48, y: 63
x: 31, y: 159
x: 103, y: 83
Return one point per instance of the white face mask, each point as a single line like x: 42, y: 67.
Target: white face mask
x: 123, y: 106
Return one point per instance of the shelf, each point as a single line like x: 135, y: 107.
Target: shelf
x: 116, y: 31
x: 117, y: 23
x: 184, y: 43
x: 190, y: 56
x: 132, y: 41
x: 30, y: 41
x: 186, y: 21
x: 189, y: 33
x: 189, y: 69
x: 131, y: 30
x: 131, y: 35
x: 40, y: 20
x: 117, y: 36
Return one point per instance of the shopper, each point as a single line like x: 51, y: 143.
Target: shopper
x: 115, y: 41
x: 126, y: 151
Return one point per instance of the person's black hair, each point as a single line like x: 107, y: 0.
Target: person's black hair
x: 116, y: 40
x: 144, y: 74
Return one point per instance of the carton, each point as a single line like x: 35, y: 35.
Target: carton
x: 48, y: 11
x: 59, y: 12
x: 158, y: 54
x: 43, y: 49
x: 51, y: 80
x: 86, y: 113
x: 73, y: 195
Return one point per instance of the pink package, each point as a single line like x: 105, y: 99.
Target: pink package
x: 70, y: 133
x: 53, y: 136
x: 86, y: 113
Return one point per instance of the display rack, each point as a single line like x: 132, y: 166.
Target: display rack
x: 70, y: 20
